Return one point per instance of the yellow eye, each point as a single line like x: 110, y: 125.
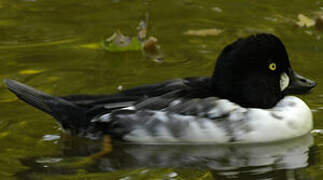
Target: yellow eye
x: 272, y: 66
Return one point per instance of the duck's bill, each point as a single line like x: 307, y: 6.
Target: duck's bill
x: 299, y: 84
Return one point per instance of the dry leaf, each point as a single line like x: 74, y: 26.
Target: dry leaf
x: 204, y: 32
x: 304, y: 21
x: 119, y: 39
x: 151, y: 45
x: 319, y: 22
x: 217, y: 9
x: 119, y: 43
x: 152, y: 49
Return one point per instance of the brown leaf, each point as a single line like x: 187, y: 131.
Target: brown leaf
x: 319, y: 22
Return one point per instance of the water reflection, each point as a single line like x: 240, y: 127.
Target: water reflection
x: 280, y: 159
x: 285, y: 155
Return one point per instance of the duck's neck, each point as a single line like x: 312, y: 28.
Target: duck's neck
x: 253, y: 92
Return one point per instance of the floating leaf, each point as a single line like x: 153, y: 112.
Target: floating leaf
x: 29, y: 71
x: 151, y: 44
x: 217, y: 9
x: 118, y: 43
x: 304, y: 21
x: 319, y: 22
x: 204, y: 32
x: 152, y: 49
x: 121, y: 43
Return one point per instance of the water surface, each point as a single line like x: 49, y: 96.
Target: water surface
x: 47, y: 44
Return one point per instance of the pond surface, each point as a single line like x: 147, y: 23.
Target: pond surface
x: 54, y: 46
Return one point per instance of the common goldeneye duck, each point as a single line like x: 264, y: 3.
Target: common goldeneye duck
x: 243, y: 101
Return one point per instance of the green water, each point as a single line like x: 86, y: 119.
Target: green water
x: 45, y: 44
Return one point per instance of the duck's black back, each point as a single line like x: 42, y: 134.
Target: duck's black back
x: 153, y: 96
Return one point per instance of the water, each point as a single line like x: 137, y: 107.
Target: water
x: 46, y: 44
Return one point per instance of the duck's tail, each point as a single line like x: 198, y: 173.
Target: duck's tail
x: 67, y: 113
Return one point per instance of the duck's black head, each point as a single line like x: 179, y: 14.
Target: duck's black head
x: 256, y: 72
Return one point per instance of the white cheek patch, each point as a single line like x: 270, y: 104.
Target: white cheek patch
x: 284, y: 81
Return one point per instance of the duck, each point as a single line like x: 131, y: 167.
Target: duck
x: 247, y: 99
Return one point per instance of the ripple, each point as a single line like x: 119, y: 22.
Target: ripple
x: 48, y: 160
x: 317, y: 133
x: 39, y: 44
x: 172, y: 174
x: 125, y: 178
x: 51, y: 137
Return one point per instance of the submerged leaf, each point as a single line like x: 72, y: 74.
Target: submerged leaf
x: 304, y: 21
x: 29, y: 71
x: 91, y: 46
x: 7, y: 22
x: 204, y: 32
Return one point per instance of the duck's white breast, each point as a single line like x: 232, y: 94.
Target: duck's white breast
x: 290, y: 118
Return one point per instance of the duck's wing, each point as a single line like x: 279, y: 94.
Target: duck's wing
x: 195, y: 86
x: 153, y: 96
x: 181, y: 120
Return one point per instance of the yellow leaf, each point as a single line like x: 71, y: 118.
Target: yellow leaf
x: 204, y: 32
